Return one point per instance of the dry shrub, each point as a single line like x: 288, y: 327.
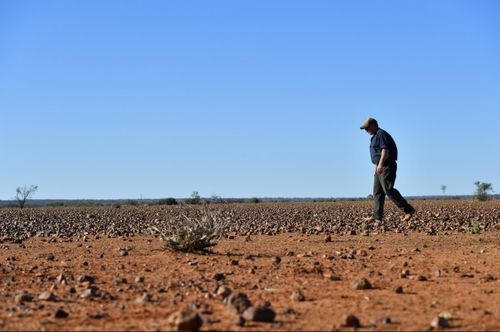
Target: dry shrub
x: 193, y: 233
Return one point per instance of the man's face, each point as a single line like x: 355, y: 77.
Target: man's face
x: 372, y: 129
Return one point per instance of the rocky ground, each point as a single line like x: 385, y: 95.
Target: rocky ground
x: 433, y: 217
x: 97, y: 269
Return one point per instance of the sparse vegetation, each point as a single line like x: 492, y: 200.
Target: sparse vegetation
x: 443, y: 189
x: 193, y: 234
x: 473, y: 227
x: 194, y: 199
x: 254, y: 200
x: 168, y: 201
x: 217, y: 199
x: 482, y: 190
x: 24, y: 193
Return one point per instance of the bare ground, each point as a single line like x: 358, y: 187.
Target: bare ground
x: 466, y: 288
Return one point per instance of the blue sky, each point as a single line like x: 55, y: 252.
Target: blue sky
x: 118, y: 99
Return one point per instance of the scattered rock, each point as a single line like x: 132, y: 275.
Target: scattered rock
x: 85, y: 278
x: 276, y: 260
x: 399, y: 290
x: 90, y: 293
x: 328, y: 238
x: 439, y: 322
x: 361, y: 284
x: 185, y: 320
x: 239, y: 321
x: 239, y: 302
x: 352, y: 321
x: 60, y: 313
x: 98, y: 315
x: 297, y: 296
x: 260, y: 314
x: 139, y: 279
x: 223, y: 292
x: 23, y: 297
x: 219, y: 276
x: 384, y: 320
x: 145, y: 298
x: 47, y: 296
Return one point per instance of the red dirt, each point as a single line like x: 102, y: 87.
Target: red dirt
x: 461, y: 290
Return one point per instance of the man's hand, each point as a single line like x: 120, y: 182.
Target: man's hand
x: 383, y: 158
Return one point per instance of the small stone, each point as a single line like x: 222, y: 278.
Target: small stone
x: 239, y: 302
x: 439, y: 322
x: 223, y: 292
x: 297, y: 296
x: 24, y: 297
x: 145, y: 298
x: 352, y: 321
x: 260, y: 314
x: 399, y: 290
x: 98, y: 315
x: 139, y: 279
x: 185, y: 320
x: 89, y: 279
x: 276, y: 260
x: 328, y: 238
x: 90, y: 293
x: 362, y: 253
x: 61, y: 278
x: 60, y: 313
x: 234, y: 262
x: 219, y: 277
x: 384, y: 320
x: 361, y: 284
x: 47, y: 296
x: 239, y: 321
x: 123, y: 253
x: 421, y: 278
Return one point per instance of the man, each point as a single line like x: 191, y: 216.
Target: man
x: 384, y: 154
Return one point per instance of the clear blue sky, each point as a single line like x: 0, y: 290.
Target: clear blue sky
x: 117, y: 99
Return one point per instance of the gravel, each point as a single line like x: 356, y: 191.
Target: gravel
x: 308, y: 218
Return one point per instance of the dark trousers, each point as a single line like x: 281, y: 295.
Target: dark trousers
x: 384, y: 185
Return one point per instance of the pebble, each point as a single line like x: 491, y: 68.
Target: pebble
x: 297, y: 296
x: 361, y: 284
x: 352, y: 321
x: 276, y: 260
x: 439, y: 322
x: 259, y: 314
x: 145, y: 298
x: 47, y: 296
x: 60, y: 313
x: 399, y: 290
x: 223, y: 292
x: 239, y: 321
x: 24, y: 297
x: 239, y: 302
x: 185, y: 320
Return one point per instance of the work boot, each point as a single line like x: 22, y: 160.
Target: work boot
x: 371, y: 220
x: 407, y: 217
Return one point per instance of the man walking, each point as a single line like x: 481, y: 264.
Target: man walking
x: 384, y: 154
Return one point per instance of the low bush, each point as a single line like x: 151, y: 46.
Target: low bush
x: 193, y: 234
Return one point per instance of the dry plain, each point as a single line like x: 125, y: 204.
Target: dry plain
x: 105, y: 270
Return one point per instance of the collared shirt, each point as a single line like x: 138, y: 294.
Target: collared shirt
x: 382, y: 140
